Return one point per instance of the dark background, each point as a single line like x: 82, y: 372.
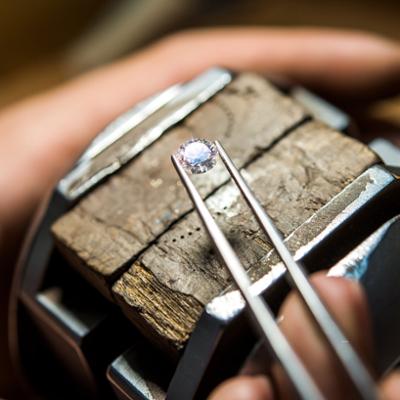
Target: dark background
x: 44, y: 42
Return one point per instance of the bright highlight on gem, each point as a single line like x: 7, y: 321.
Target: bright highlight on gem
x: 197, y: 155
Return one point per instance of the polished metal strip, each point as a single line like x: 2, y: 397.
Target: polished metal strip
x: 345, y: 352
x: 263, y: 317
x: 127, y: 121
x: 228, y: 305
x: 137, y: 129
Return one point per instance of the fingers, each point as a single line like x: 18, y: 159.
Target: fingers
x: 345, y: 299
x: 390, y: 386
x: 347, y: 63
x: 347, y: 303
x: 42, y: 136
x: 244, y: 388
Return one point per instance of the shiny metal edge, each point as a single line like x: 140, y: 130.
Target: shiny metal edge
x: 127, y: 121
x: 321, y: 109
x: 181, y: 98
x: 126, y: 370
x: 354, y: 265
x: 374, y: 263
x: 387, y: 151
x: 66, y: 318
x: 228, y: 305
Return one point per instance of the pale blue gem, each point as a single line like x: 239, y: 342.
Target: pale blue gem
x: 197, y: 155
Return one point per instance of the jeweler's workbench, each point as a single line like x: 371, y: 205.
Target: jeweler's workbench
x: 135, y: 238
x: 296, y: 164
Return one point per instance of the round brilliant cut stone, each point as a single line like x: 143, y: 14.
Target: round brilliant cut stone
x: 197, y: 155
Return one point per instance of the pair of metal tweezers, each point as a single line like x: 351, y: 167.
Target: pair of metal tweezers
x: 263, y: 317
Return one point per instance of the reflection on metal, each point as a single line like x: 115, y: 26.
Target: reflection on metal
x: 355, y: 264
x: 70, y: 330
x: 226, y: 306
x: 64, y: 306
x: 375, y: 263
x: 138, y: 128
x: 127, y: 121
x: 47, y: 303
x: 141, y: 373
x: 50, y: 301
x: 351, y: 216
x: 377, y: 179
x: 321, y: 109
x: 125, y: 370
x: 387, y: 151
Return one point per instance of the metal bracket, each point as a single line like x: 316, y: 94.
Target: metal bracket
x: 137, y: 129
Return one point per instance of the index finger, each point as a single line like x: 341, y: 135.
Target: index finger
x: 52, y: 129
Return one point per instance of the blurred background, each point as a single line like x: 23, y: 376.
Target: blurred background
x: 45, y: 42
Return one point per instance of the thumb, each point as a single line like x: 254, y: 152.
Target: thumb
x: 244, y: 388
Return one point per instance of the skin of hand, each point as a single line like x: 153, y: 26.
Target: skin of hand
x: 42, y: 136
x: 347, y: 302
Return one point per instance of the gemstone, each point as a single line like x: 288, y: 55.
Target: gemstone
x: 197, y: 155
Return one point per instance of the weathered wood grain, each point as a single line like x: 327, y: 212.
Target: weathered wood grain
x: 138, y: 241
x: 123, y: 216
x: 165, y: 290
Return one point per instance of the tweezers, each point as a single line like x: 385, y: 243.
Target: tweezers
x: 263, y: 317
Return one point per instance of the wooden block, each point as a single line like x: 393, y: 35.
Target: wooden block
x: 138, y: 241
x: 120, y: 219
x: 166, y: 289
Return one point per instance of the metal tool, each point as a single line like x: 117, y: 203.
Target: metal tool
x: 262, y: 315
x: 59, y: 323
x: 128, y: 137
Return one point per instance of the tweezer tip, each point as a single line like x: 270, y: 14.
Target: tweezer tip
x: 174, y: 160
x: 221, y: 150
x: 178, y: 167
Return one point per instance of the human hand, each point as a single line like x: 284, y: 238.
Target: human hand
x: 42, y: 136
x: 347, y: 302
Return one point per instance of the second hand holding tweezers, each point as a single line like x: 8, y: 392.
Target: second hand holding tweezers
x: 260, y: 311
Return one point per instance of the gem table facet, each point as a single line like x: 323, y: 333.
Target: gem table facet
x: 197, y: 155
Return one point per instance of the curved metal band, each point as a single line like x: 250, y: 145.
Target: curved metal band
x: 138, y: 128
x: 121, y: 141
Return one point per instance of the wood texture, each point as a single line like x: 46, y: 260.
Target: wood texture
x: 123, y: 216
x: 137, y: 239
x: 293, y: 180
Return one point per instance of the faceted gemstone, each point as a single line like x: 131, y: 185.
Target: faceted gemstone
x: 197, y: 155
